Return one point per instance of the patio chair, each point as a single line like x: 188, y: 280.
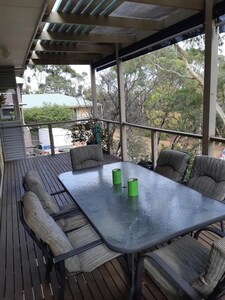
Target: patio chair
x: 80, y: 250
x: 207, y: 176
x: 86, y: 157
x: 186, y: 269
x: 172, y: 164
x: 69, y: 215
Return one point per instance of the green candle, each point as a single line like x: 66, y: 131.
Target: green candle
x: 132, y: 187
x: 117, y: 176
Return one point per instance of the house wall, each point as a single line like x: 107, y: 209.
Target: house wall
x: 83, y: 112
x: 12, y: 139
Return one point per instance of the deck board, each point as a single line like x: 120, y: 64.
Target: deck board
x: 22, y: 265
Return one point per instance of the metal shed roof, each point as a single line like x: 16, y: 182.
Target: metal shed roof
x: 89, y: 31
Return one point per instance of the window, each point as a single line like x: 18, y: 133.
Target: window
x: 7, y: 113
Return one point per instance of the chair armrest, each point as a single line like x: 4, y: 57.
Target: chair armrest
x: 58, y: 192
x: 211, y: 229
x: 174, y: 277
x: 76, y: 251
x: 67, y: 213
x: 183, y: 182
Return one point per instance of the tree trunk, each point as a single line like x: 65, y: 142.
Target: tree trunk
x: 196, y: 77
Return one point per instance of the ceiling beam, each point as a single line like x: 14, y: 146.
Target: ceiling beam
x: 187, y: 4
x: 121, y: 22
x: 75, y: 48
x: 91, y: 37
x: 50, y: 4
x: 60, y: 61
x: 62, y: 56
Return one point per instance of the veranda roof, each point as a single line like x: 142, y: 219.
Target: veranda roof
x: 89, y: 32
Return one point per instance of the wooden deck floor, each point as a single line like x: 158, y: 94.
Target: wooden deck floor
x: 22, y: 267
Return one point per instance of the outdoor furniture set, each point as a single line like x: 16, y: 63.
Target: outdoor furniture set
x: 104, y: 222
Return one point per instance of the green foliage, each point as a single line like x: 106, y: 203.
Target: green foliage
x: 47, y: 113
x: 176, y: 101
x: 90, y: 132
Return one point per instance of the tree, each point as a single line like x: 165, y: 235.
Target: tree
x: 47, y: 114
x: 137, y: 91
x: 56, y: 79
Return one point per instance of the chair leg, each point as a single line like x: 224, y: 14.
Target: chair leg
x: 62, y: 279
x: 49, y: 266
x: 222, y: 227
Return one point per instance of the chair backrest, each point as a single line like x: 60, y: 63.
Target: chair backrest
x: 86, y: 157
x: 32, y: 182
x: 172, y: 164
x: 207, y: 176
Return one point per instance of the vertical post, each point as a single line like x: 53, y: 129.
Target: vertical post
x: 95, y: 114
x: 51, y: 139
x: 16, y: 104
x: 210, y: 80
x: 93, y: 93
x: 122, y: 107
x: 154, y: 142
x: 109, y: 138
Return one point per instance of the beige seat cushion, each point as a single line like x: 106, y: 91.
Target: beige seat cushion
x: 46, y: 229
x: 74, y: 222
x: 187, y: 257
x: 214, y: 271
x: 34, y: 184
x: 92, y: 258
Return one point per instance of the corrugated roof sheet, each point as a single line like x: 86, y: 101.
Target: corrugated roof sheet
x: 89, y: 31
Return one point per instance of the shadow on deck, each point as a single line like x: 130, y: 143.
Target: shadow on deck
x: 22, y: 265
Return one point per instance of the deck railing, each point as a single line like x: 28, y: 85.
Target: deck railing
x: 153, y: 133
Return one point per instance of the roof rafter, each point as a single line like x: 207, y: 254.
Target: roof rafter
x: 60, y: 61
x: 187, y: 4
x: 123, y: 22
x: 91, y: 37
x: 64, y: 56
x: 75, y: 48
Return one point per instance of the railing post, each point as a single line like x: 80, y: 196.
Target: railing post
x: 210, y: 80
x: 122, y: 106
x: 93, y: 93
x: 51, y: 139
x: 108, y: 138
x: 154, y: 146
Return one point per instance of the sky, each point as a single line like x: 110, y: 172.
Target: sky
x: 81, y: 68
x: 78, y: 68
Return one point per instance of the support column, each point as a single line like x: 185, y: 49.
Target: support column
x: 210, y: 80
x: 93, y: 93
x: 122, y: 107
x: 154, y: 146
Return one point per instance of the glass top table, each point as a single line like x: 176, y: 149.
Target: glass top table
x: 162, y: 210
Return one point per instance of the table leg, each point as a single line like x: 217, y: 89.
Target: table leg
x: 131, y: 294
